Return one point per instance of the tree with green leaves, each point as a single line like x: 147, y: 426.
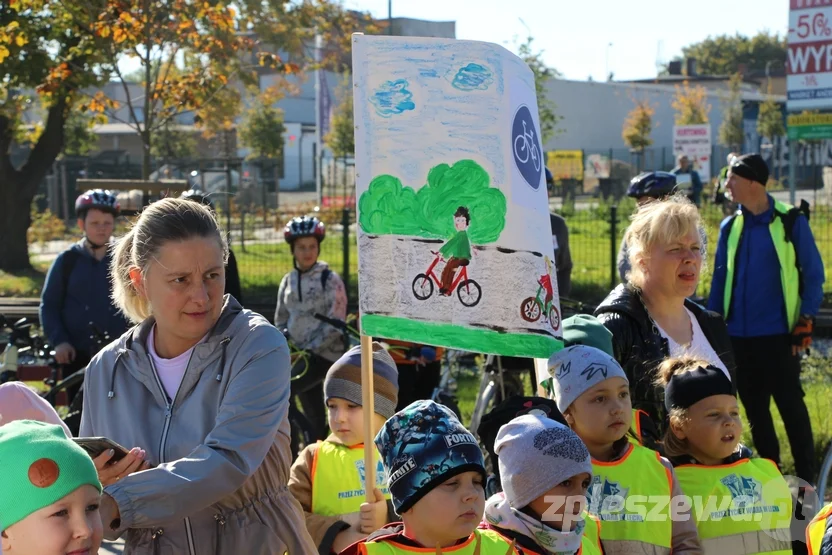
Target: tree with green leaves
x: 725, y: 54
x: 341, y: 136
x: 770, y: 122
x: 80, y: 139
x: 174, y: 142
x: 549, y: 119
x: 731, y: 131
x: 261, y: 131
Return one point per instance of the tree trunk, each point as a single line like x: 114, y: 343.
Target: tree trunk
x: 18, y: 186
x: 145, y: 153
x: 15, y: 200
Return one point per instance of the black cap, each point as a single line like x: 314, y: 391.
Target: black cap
x: 751, y: 166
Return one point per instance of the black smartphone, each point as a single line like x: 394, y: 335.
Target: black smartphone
x: 94, y: 446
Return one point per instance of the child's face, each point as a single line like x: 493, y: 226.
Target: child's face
x: 460, y: 223
x: 346, y: 420
x: 562, y: 506
x: 603, y: 414
x: 449, y: 512
x: 70, y: 526
x: 713, y: 428
x: 306, y: 252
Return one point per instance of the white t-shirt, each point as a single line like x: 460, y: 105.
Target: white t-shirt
x: 699, y: 346
x: 170, y: 370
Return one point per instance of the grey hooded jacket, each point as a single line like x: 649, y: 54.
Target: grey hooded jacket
x: 220, y: 448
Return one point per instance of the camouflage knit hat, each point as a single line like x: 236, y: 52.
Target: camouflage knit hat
x: 422, y: 446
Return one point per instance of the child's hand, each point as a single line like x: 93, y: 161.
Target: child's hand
x: 374, y: 515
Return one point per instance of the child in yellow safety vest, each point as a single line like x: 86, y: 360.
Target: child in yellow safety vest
x: 632, y: 485
x: 328, y: 477
x: 742, y: 504
x: 819, y: 533
x: 436, y: 475
x: 545, y: 470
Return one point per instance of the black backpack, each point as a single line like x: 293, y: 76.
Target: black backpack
x: 70, y: 258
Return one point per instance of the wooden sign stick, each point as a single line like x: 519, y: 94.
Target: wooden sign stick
x: 368, y: 409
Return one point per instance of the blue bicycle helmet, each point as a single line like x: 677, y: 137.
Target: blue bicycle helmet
x: 652, y: 185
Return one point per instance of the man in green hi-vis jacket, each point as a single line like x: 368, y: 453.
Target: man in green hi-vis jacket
x: 457, y: 251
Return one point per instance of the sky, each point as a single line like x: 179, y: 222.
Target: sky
x: 582, y: 38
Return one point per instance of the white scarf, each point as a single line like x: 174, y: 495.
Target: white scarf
x: 500, y: 514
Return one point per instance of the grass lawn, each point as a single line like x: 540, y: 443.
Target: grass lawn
x: 24, y: 284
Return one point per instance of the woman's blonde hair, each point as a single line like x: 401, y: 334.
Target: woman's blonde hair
x: 673, y: 445
x: 666, y: 220
x: 167, y: 220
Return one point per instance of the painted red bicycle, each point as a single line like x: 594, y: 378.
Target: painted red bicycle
x: 468, y: 290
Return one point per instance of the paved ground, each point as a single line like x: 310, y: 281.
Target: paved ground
x: 116, y: 547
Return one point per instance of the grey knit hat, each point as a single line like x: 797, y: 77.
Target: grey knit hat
x: 536, y: 454
x: 343, y: 380
x: 576, y: 369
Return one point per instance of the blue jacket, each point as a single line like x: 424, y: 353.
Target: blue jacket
x: 758, y: 307
x: 65, y: 314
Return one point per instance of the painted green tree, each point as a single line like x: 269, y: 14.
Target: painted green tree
x: 389, y: 208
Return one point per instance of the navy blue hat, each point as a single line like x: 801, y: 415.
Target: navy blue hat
x: 652, y: 185
x: 422, y: 446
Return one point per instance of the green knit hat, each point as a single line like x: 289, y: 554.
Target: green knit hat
x: 40, y: 467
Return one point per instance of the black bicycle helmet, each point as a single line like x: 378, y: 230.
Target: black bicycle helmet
x: 198, y: 196
x: 98, y: 199
x: 304, y: 226
x: 652, y: 185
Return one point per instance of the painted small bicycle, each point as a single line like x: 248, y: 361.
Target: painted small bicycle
x: 533, y: 307
x: 468, y: 290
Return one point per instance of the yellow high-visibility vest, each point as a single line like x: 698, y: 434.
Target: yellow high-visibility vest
x: 624, y: 493
x: 743, y: 508
x: 338, y: 479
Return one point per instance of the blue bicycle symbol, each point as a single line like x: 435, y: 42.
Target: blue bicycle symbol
x: 527, y: 149
x: 527, y: 146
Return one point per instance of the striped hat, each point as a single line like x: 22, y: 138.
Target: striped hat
x: 344, y: 380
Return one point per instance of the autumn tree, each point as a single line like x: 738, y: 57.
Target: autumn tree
x: 45, y: 59
x: 691, y: 105
x: 173, y: 142
x: 638, y: 126
x: 731, y: 131
x: 189, y: 52
x: 546, y: 107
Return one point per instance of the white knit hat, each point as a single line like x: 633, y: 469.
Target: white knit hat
x: 536, y: 454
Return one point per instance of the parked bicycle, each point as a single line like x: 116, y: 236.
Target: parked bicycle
x: 468, y: 290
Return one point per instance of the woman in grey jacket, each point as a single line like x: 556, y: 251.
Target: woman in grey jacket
x: 202, y: 387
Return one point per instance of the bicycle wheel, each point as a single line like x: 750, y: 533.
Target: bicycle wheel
x: 469, y: 293
x: 530, y: 310
x: 422, y: 287
x: 554, y: 317
x: 301, y: 430
x: 521, y: 140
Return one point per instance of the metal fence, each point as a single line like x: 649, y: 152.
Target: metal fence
x: 595, y: 234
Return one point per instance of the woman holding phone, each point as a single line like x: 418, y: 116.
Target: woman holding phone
x: 201, y: 386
